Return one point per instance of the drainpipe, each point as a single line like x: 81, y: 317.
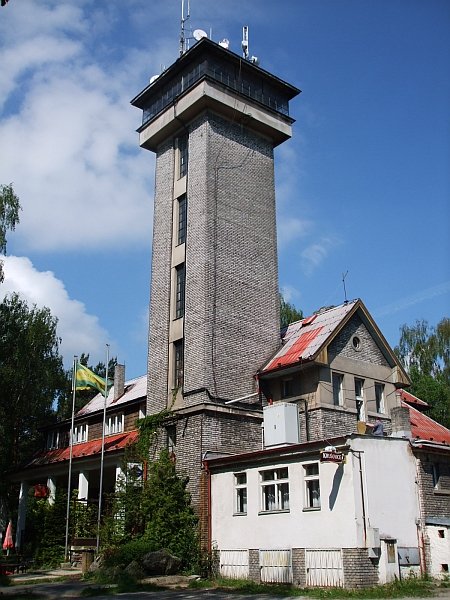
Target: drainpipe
x: 358, y: 453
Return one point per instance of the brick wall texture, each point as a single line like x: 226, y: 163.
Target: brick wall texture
x: 231, y: 322
x: 359, y: 570
x: 343, y: 345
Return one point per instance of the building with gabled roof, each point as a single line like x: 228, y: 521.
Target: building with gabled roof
x: 48, y: 469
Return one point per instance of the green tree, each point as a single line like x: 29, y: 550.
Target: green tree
x: 31, y: 379
x: 9, y: 217
x: 288, y: 313
x: 425, y: 353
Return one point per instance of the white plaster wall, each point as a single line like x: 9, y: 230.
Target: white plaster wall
x: 439, y: 549
x: 391, y: 489
x: 390, y: 502
x: 331, y: 526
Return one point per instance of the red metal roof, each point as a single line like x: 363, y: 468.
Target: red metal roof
x: 112, y: 442
x: 411, y: 399
x: 303, y: 339
x: 424, y: 428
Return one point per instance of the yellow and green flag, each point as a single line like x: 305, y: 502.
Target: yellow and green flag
x: 86, y: 379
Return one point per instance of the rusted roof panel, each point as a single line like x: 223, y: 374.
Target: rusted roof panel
x: 112, y: 443
x: 411, y: 399
x: 424, y: 428
x: 303, y: 339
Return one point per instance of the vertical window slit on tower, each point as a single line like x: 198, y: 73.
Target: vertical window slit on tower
x: 180, y: 290
x: 178, y: 364
x: 182, y: 219
x: 182, y: 156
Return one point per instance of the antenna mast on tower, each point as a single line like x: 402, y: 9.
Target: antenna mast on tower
x: 183, y: 21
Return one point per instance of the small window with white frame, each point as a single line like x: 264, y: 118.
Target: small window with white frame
x: 182, y: 147
x: 312, y: 486
x: 359, y: 398
x: 274, y: 490
x: 379, y: 397
x: 240, y: 493
x: 114, y: 424
x: 53, y: 439
x: 338, y: 389
x: 80, y: 433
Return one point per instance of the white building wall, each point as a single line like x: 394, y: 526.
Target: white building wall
x: 439, y: 537
x: 391, y: 505
x: 297, y: 528
x: 391, y: 493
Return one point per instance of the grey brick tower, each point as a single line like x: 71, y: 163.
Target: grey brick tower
x: 213, y: 120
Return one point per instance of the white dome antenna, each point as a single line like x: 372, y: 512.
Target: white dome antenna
x: 198, y: 34
x: 225, y: 43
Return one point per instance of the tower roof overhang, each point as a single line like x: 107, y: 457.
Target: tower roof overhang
x: 211, y: 77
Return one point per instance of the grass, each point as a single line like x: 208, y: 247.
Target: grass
x: 398, y: 589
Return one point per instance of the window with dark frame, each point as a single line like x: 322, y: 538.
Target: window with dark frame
x: 312, y: 486
x: 274, y: 490
x: 287, y: 388
x: 240, y: 486
x: 182, y: 156
x: 338, y: 385
x: 182, y: 219
x: 180, y: 290
x: 178, y: 361
x: 379, y: 397
x: 171, y: 431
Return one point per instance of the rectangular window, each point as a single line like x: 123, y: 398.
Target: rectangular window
x: 359, y: 397
x: 312, y: 485
x: 80, y: 433
x: 182, y: 156
x: 114, y: 424
x: 240, y: 487
x: 182, y: 219
x: 53, y: 440
x: 436, y: 472
x: 338, y: 389
x: 274, y: 489
x: 178, y: 360
x: 180, y: 290
x: 171, y: 438
x: 379, y: 397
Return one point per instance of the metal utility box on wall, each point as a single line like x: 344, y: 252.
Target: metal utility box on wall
x: 280, y: 424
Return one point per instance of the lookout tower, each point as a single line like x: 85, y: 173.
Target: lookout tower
x: 213, y: 119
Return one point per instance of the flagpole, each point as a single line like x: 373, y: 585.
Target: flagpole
x: 100, y: 493
x: 69, y: 481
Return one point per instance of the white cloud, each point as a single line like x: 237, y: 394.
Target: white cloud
x: 317, y: 252
x: 80, y: 331
x: 67, y: 136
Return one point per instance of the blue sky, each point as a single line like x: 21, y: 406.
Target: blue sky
x: 363, y: 186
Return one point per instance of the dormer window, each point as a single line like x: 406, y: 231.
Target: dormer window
x: 80, y: 433
x: 287, y: 388
x: 114, y: 424
x: 53, y: 440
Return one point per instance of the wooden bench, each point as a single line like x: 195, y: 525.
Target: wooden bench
x: 13, y: 565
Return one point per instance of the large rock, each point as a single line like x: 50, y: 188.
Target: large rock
x: 160, y: 562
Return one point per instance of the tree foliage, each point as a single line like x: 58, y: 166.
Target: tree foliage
x: 425, y: 353
x: 9, y: 217
x: 31, y: 379
x: 288, y: 313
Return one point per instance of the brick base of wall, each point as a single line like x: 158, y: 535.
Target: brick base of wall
x: 359, y: 570
x: 298, y: 567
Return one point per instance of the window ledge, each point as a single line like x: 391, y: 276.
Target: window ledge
x: 239, y: 514
x: 312, y: 508
x: 439, y: 492
x: 273, y: 512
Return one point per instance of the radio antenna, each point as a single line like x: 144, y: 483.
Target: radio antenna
x: 183, y: 21
x: 344, y: 275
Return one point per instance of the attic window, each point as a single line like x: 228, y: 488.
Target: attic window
x: 356, y: 343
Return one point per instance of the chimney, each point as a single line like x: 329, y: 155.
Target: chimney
x: 401, y: 423
x: 119, y: 381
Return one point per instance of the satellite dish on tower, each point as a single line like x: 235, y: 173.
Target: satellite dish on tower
x: 153, y: 78
x: 225, y: 43
x: 199, y: 34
